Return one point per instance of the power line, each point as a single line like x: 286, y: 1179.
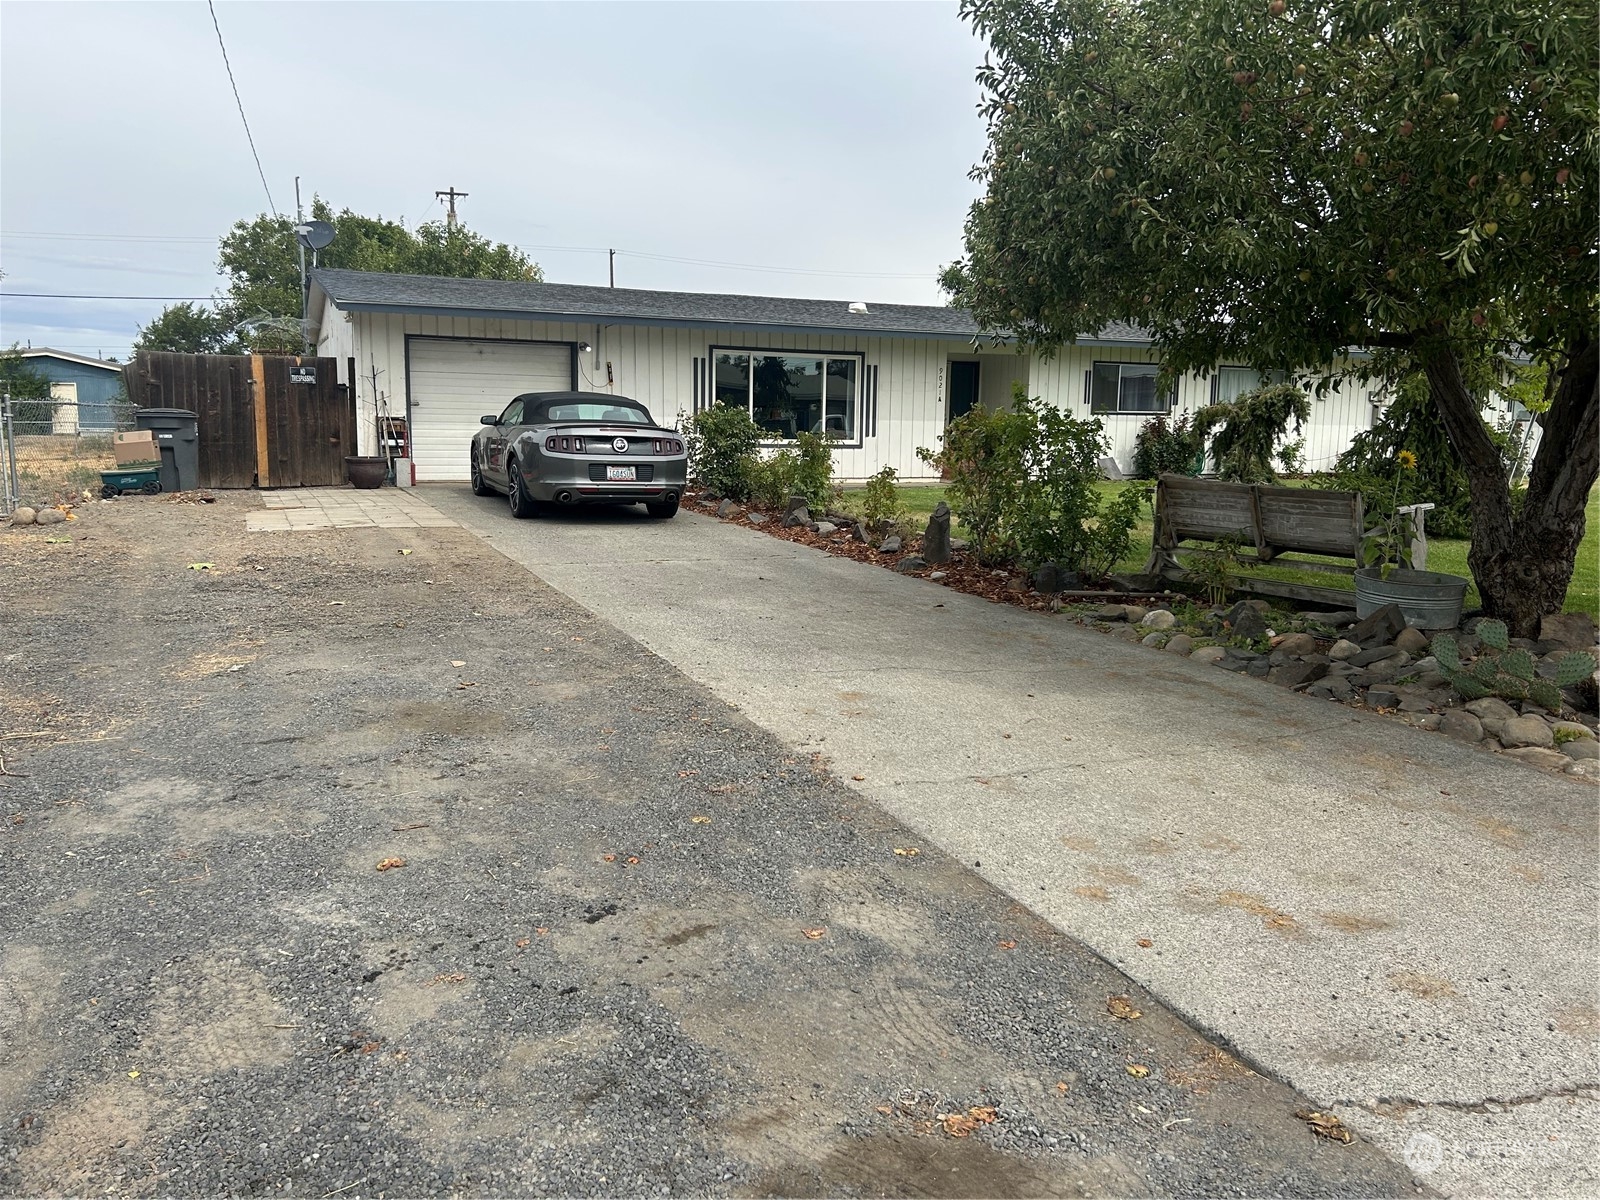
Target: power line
x: 248, y: 136
x: 89, y: 296
x: 101, y: 237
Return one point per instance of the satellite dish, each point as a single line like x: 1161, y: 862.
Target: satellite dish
x: 314, y: 235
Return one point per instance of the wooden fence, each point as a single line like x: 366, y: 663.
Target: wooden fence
x: 258, y: 428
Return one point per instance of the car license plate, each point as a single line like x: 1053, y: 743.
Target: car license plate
x: 619, y: 474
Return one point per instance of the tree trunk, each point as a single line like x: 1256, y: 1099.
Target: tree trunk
x: 1522, y: 564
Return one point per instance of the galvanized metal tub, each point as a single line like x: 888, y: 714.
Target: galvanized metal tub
x: 1428, y: 599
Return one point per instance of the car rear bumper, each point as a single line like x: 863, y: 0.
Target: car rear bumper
x: 587, y: 491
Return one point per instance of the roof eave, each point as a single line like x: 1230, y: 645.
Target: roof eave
x: 590, y: 318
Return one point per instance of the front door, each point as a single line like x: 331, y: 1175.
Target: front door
x: 963, y: 388
x: 499, y: 435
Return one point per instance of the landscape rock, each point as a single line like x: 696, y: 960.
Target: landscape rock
x: 858, y: 533
x: 935, y: 576
x: 1016, y: 586
x: 1152, y: 639
x: 1379, y: 697
x: 1344, y: 648
x: 1376, y: 655
x: 1539, y: 757
x: 1337, y: 620
x: 1230, y: 662
x: 1581, y: 748
x: 1207, y: 654
x: 1526, y: 731
x: 24, y: 516
x: 1159, y: 619
x: 797, y: 517
x: 1461, y: 725
x: 1111, y: 612
x: 1584, y: 768
x: 1051, y: 578
x: 911, y: 562
x: 1134, y: 613
x: 824, y: 528
x: 729, y: 509
x: 796, y: 504
x: 1412, y: 641
x: 936, y: 540
x: 1180, y: 643
x: 1293, y: 674
x: 1250, y: 624
x: 1572, y: 729
x: 1138, y: 583
x: 958, y: 543
x: 1258, y: 668
x: 756, y: 518
x: 1567, y: 631
x: 1428, y: 721
x: 891, y: 544
x: 1491, y: 706
x: 1297, y: 644
x: 1379, y: 628
x: 49, y: 516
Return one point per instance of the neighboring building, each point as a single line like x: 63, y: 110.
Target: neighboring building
x: 92, y: 385
x: 885, y: 379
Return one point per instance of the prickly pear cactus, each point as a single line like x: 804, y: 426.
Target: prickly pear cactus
x: 1574, y: 668
x: 1447, y: 652
x: 1518, y: 663
x: 1545, y: 694
x: 1493, y: 634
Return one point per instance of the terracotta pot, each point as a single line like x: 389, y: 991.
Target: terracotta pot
x: 364, y: 471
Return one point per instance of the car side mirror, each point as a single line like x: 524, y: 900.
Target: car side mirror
x: 489, y: 420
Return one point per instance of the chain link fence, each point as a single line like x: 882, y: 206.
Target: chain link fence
x: 53, y: 450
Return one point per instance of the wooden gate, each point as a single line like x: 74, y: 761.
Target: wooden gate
x: 258, y: 426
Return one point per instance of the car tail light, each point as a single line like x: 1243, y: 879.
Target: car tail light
x: 550, y: 443
x: 656, y: 446
x: 577, y: 444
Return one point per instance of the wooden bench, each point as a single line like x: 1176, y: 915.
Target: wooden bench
x: 1275, y: 520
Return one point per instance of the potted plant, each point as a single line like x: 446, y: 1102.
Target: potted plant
x: 1428, y: 599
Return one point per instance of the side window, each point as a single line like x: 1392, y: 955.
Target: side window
x: 513, y: 413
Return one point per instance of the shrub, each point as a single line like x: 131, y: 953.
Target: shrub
x: 1243, y: 435
x: 813, y: 470
x: 1023, y: 483
x: 1165, y: 447
x: 984, y: 457
x: 881, y: 509
x: 1412, y: 422
x: 722, y: 444
x: 1293, y: 457
x: 772, y: 479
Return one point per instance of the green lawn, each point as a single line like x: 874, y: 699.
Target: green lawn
x: 1446, y: 555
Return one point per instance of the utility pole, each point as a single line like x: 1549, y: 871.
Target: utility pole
x: 613, y: 261
x: 451, y: 197
x: 305, y: 284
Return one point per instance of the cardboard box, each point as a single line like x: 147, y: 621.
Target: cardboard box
x: 138, y: 446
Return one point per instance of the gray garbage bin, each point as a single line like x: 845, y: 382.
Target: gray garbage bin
x: 177, y: 433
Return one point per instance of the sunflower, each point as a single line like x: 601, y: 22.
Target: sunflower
x: 1407, y: 460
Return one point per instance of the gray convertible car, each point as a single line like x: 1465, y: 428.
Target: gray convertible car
x: 574, y: 448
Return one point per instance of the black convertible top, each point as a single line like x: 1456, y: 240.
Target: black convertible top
x: 537, y: 405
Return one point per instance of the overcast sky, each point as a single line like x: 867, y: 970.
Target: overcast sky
x: 831, y: 140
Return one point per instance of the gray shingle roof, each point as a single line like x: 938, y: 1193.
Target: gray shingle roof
x: 435, y: 295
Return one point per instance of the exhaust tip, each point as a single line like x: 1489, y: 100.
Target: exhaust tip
x: 564, y: 498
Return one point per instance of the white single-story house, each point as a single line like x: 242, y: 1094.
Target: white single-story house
x: 884, y: 379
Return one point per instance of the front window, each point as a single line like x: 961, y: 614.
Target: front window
x: 1127, y: 388
x: 787, y: 394
x: 1229, y: 383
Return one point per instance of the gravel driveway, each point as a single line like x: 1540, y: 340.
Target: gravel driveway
x: 637, y: 946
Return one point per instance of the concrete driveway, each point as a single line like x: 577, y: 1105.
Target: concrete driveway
x: 1402, y: 928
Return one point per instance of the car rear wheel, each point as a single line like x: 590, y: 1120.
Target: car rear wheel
x: 522, y: 505
x: 479, y: 487
x: 662, y: 509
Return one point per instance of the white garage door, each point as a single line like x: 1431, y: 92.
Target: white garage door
x: 454, y: 381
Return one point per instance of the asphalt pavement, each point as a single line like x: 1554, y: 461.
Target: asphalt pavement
x: 358, y: 862
x: 1400, y: 927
